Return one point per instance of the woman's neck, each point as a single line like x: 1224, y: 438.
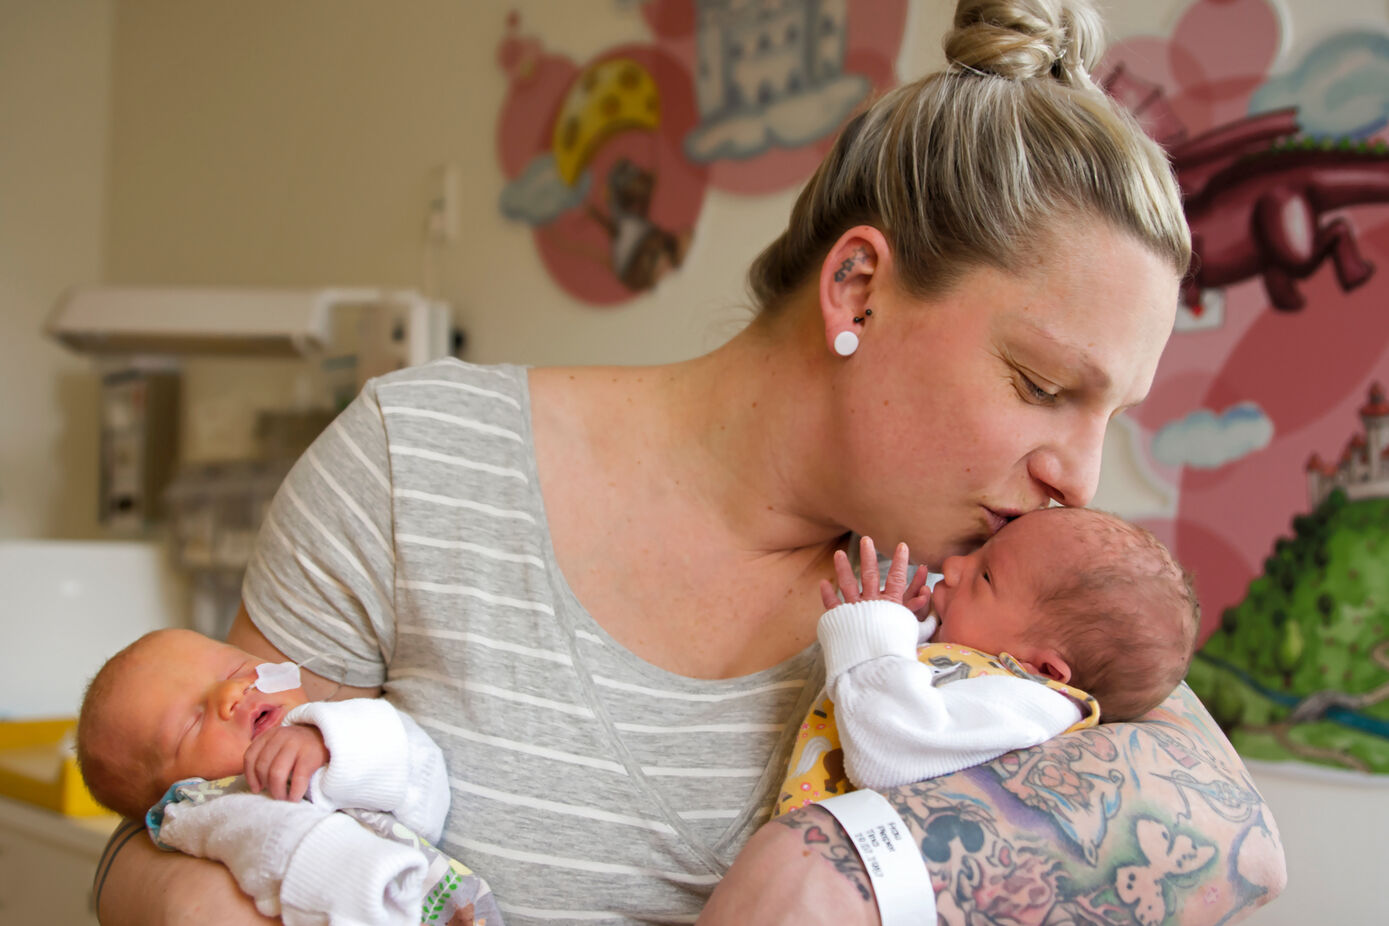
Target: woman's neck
x: 678, y: 503
x: 746, y: 426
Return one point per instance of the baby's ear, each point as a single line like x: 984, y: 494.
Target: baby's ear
x: 1049, y: 664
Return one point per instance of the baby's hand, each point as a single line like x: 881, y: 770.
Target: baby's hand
x: 914, y: 596
x: 283, y: 759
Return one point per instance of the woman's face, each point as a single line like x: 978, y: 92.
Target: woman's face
x: 993, y: 399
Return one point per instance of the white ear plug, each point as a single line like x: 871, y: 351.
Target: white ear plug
x: 278, y: 676
x: 845, y: 343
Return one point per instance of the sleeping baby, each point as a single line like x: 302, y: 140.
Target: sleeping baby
x: 322, y: 810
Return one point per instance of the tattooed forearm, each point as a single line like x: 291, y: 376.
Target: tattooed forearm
x: 830, y: 842
x: 1137, y: 823
x: 1128, y: 824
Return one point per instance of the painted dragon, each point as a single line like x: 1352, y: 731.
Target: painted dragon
x: 1262, y: 202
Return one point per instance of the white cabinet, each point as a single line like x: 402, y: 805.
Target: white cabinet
x: 47, y: 862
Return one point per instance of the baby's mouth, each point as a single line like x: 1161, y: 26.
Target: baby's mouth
x: 264, y: 720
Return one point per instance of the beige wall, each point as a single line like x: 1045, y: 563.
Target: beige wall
x: 293, y: 144
x: 55, y: 78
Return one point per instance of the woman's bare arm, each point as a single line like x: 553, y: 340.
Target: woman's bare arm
x: 1151, y: 822
x: 138, y: 884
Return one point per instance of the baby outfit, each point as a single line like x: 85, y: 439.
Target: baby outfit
x: 897, y: 709
x: 357, y: 849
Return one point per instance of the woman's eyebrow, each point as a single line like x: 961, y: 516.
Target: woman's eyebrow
x: 1070, y: 355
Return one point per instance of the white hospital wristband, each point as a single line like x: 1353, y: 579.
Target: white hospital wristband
x: 895, y: 867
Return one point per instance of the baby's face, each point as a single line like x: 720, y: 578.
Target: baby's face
x: 987, y: 600
x: 190, y: 699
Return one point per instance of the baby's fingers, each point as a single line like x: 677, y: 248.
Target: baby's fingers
x: 278, y: 770
x: 299, y: 778
x: 259, y: 759
x: 868, y: 566
x: 844, y: 574
x: 252, y: 759
x: 828, y: 596
x: 896, y: 574
x: 917, y: 595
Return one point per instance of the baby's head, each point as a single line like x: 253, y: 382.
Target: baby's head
x: 174, y: 704
x: 1079, y: 596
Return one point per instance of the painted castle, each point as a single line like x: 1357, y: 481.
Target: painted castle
x: 753, y: 54
x: 1363, y: 468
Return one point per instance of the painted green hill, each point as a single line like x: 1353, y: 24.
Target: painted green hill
x: 1300, y: 668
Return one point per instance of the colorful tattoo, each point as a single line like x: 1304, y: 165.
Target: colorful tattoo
x: 830, y: 842
x: 1134, y: 823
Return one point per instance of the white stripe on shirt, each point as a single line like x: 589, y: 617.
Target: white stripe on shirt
x: 450, y: 384
x: 452, y: 502
x: 791, y: 684
x: 469, y: 423
x: 467, y: 591
x: 455, y: 460
x: 572, y: 810
x: 562, y: 861
x: 516, y: 746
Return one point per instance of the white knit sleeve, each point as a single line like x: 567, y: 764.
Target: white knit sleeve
x: 897, y: 728
x: 379, y: 759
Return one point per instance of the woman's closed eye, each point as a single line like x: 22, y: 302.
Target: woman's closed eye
x: 1029, y: 390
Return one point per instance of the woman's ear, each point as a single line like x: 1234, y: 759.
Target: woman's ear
x: 851, y: 272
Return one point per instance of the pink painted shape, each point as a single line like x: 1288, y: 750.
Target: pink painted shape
x: 1296, y: 363
x: 526, y: 121
x: 670, y: 19
x: 1232, y: 39
x: 575, y: 249
x: 1308, y: 370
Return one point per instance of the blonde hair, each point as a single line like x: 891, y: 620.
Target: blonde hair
x: 121, y: 774
x: 978, y: 164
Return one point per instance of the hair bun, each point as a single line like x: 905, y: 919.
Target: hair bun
x: 1022, y: 39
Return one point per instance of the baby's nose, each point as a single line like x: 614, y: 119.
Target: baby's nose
x: 227, y: 695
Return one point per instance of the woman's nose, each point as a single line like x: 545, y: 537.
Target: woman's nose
x: 1069, y: 469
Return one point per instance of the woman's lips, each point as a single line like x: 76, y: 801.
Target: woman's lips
x: 997, y: 519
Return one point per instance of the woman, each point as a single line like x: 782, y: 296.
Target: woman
x: 981, y: 274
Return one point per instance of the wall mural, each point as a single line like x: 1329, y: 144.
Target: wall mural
x: 608, y: 160
x: 1268, y: 428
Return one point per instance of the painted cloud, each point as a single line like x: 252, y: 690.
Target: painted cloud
x: 1340, y: 89
x: 1206, y: 440
x: 539, y: 195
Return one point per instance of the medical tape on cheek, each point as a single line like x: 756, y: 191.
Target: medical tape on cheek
x: 272, y: 677
x: 901, y: 881
x: 281, y: 676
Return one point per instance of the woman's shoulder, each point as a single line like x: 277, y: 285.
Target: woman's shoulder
x: 453, y: 370
x: 449, y: 384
